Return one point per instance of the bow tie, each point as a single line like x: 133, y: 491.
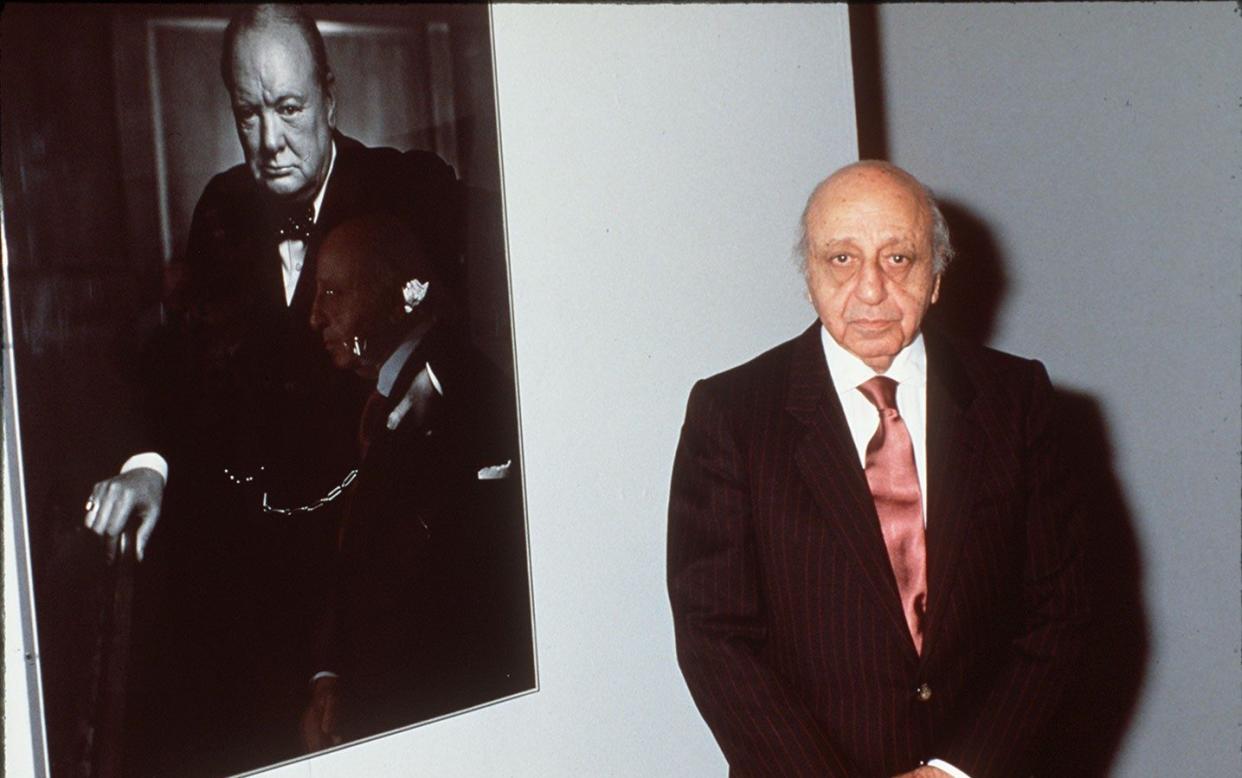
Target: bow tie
x: 297, y: 225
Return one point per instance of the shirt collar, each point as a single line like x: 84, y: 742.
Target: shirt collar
x: 848, y: 371
x: 318, y: 203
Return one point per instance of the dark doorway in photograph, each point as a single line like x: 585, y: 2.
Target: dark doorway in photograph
x: 264, y: 373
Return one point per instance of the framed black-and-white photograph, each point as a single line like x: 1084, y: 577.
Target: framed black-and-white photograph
x: 261, y: 410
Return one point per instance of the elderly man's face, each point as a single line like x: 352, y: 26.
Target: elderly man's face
x: 284, y: 119
x: 347, y: 306
x: 869, y: 262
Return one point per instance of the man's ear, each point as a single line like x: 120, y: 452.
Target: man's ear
x: 936, y: 288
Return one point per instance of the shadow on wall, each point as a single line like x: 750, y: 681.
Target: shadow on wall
x: 971, y: 294
x: 1087, y: 730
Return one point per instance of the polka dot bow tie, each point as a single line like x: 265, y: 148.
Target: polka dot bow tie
x: 298, y: 225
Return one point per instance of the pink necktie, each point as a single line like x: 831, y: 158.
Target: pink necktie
x: 894, y: 483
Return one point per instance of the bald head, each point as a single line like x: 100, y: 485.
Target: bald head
x: 384, y: 250
x: 364, y: 265
x: 867, y: 171
x: 872, y: 258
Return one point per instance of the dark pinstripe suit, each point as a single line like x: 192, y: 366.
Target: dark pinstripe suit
x: 789, y: 627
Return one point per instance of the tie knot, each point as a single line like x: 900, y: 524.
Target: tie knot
x: 881, y: 391
x: 297, y: 224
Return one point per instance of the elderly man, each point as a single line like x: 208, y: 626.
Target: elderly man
x: 255, y: 425
x: 430, y: 612
x: 871, y: 558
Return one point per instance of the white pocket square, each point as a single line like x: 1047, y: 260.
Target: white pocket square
x: 495, y: 472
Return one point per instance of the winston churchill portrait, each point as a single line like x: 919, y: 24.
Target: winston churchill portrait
x: 253, y: 569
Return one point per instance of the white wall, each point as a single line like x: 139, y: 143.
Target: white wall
x: 1100, y: 145
x: 655, y: 163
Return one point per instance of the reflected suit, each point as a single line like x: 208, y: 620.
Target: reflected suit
x: 431, y: 612
x: 252, y: 412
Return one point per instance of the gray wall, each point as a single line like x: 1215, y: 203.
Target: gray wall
x: 1091, y: 157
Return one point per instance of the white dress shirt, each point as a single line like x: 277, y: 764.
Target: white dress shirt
x: 292, y: 258
x: 909, y: 370
x: 293, y: 251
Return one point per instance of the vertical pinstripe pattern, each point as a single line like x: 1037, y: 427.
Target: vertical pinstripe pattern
x: 789, y: 626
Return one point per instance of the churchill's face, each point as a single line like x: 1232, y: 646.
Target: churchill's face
x: 284, y: 118
x: 869, y: 262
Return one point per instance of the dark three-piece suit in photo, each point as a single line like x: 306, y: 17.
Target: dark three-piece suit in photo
x: 247, y: 408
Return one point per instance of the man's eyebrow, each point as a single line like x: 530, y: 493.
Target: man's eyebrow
x: 905, y: 244
x: 241, y: 102
x: 837, y: 242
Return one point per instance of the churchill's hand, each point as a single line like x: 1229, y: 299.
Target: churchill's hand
x: 319, y: 719
x: 116, y: 502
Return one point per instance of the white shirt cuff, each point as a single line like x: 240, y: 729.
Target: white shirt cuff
x: 940, y: 764
x: 147, y: 459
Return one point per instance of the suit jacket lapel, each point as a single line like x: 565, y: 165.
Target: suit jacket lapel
x: 304, y: 291
x: 346, y: 191
x: 271, y: 281
x: 829, y: 465
x: 342, y: 191
x: 256, y: 248
x: 954, y: 444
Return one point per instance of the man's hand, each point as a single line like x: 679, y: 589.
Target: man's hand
x: 319, y: 720
x: 116, y: 500
x: 924, y: 772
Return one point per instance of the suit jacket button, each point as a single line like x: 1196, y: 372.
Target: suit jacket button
x: 923, y: 693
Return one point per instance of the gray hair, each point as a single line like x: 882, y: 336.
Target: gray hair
x: 942, y: 247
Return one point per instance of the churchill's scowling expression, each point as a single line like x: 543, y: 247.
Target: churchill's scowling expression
x: 284, y: 110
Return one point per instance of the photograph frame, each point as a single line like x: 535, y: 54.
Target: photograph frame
x: 153, y: 235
